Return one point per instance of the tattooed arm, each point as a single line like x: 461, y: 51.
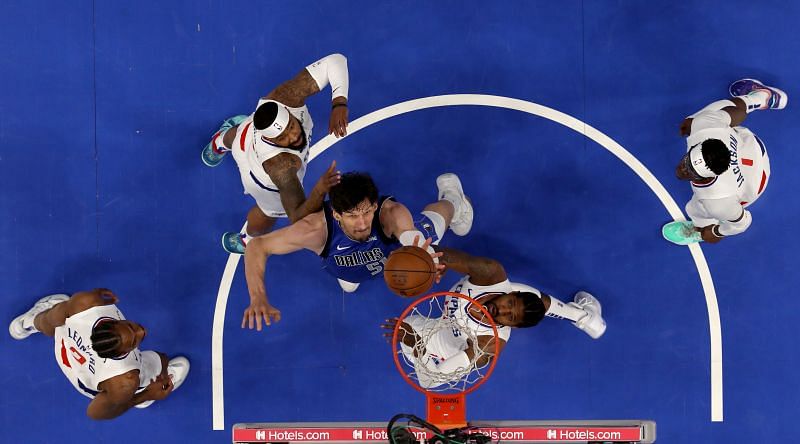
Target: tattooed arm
x: 331, y: 70
x: 294, y: 92
x: 481, y: 270
x: 282, y: 169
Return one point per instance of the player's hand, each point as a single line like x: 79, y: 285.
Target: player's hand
x: 338, y: 123
x: 440, y: 268
x: 388, y: 326
x: 159, y: 388
x: 256, y: 311
x: 708, y: 235
x: 686, y: 127
x: 329, y: 179
x: 106, y: 296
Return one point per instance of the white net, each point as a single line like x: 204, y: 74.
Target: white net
x: 438, y: 347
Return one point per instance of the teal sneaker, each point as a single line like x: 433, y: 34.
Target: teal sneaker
x: 681, y: 233
x: 232, y: 242
x: 212, y: 154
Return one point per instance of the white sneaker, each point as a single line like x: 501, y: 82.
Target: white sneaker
x: 22, y: 326
x: 177, y: 369
x: 777, y: 97
x: 593, y: 323
x: 348, y: 287
x: 450, y: 189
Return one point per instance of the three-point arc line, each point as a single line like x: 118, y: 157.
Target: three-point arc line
x: 578, y: 126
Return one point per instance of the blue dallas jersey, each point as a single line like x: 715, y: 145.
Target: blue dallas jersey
x: 354, y: 261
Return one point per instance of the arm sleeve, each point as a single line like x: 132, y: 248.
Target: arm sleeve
x: 331, y: 69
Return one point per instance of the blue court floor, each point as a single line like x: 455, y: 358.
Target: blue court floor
x: 105, y: 106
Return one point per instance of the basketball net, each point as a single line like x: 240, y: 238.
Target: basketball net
x: 430, y: 325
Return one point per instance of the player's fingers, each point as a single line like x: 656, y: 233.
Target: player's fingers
x: 427, y: 243
x: 244, y: 319
x: 267, y: 320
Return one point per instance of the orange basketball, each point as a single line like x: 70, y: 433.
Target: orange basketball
x: 409, y: 271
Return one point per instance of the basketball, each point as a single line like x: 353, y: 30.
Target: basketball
x: 409, y: 271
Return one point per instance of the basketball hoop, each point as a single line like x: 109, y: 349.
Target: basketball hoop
x: 445, y: 392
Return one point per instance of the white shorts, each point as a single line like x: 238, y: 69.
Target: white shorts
x: 439, y: 345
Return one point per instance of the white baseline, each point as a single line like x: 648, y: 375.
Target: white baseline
x: 527, y: 107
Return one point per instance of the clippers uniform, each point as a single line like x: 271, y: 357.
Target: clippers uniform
x: 446, y: 343
x: 722, y: 200
x: 251, y: 150
x: 84, y: 369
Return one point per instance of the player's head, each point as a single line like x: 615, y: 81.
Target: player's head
x: 704, y: 161
x: 278, y: 126
x: 354, y: 201
x: 113, y: 338
x: 518, y: 309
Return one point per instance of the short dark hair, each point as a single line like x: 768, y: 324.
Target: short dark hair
x: 106, y: 340
x: 533, y: 309
x: 265, y: 115
x: 352, y: 190
x: 716, y: 155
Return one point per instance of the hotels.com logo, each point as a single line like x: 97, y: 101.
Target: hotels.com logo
x: 552, y: 434
x: 357, y: 434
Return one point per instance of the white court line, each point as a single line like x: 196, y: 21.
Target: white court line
x: 537, y: 110
x: 217, y: 382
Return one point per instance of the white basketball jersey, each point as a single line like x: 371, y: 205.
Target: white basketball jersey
x: 747, y: 175
x: 445, y: 343
x: 79, y: 362
x: 257, y: 149
x: 459, y: 308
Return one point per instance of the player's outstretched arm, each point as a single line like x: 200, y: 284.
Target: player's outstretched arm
x: 308, y: 233
x: 282, y: 169
x: 118, y: 394
x: 396, y: 221
x: 313, y: 79
x: 481, y: 270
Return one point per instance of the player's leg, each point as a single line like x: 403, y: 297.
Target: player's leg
x: 222, y: 141
x: 584, y: 311
x: 453, y: 209
x: 756, y: 95
x: 46, y: 314
x: 258, y: 224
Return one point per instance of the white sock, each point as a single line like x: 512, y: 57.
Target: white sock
x: 438, y: 224
x: 757, y: 99
x: 560, y: 310
x: 217, y: 141
x: 27, y: 322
